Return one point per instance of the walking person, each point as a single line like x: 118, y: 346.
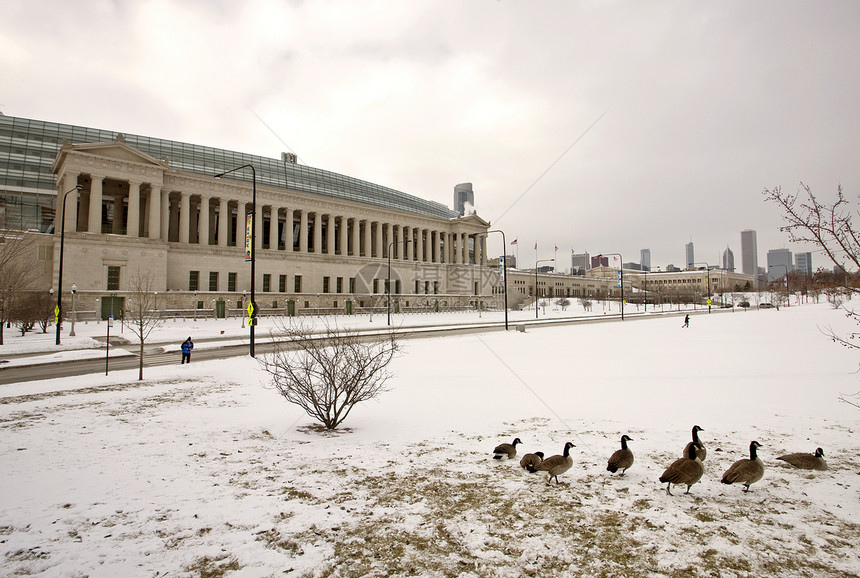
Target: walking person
x: 187, y: 346
x: 686, y: 321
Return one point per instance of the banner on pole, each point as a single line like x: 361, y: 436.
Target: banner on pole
x: 249, y: 224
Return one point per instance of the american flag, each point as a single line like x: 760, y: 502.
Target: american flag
x: 514, y: 242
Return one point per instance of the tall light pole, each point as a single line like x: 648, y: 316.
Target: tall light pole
x: 58, y: 311
x: 708, y: 279
x: 537, y: 297
x: 621, y: 278
x: 787, y: 296
x: 252, y: 305
x: 505, y: 273
x: 388, y: 280
x: 645, y: 288
x: 74, y: 311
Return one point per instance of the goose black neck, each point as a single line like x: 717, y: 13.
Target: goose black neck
x: 696, y: 436
x: 752, y: 451
x: 623, y: 443
x: 566, y: 450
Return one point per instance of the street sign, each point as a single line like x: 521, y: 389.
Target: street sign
x: 56, y: 313
x: 110, y: 320
x: 250, y: 309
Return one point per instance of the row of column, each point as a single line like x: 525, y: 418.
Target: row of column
x: 199, y: 219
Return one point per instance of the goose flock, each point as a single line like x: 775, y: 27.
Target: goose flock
x: 687, y: 470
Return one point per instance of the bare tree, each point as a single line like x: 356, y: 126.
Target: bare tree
x: 32, y: 308
x: 328, y: 373
x: 141, y: 310
x: 15, y: 273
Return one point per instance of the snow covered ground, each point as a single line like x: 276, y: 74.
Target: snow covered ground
x: 203, y: 469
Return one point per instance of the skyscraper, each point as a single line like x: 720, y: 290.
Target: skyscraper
x: 779, y: 264
x: 645, y: 259
x: 690, y: 259
x: 749, y: 253
x: 463, y: 196
x: 728, y: 260
x: 804, y: 263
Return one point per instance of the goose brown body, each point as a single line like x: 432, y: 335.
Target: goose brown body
x: 746, y: 471
x: 557, y: 464
x: 701, y: 452
x: 687, y: 470
x: 806, y: 461
x: 530, y: 461
x: 508, y: 451
x: 621, y: 459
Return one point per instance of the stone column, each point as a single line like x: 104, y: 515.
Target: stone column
x: 94, y: 221
x: 133, y: 227
x: 422, y: 245
x: 118, y: 212
x: 464, y: 249
x: 317, y: 231
x: 241, y: 223
x: 71, y: 204
x: 203, y: 222
x: 165, y: 214
x: 288, y: 230
x: 344, y: 236
x: 378, y: 248
x: 184, y: 216
x: 223, y: 221
x: 303, y: 231
x: 329, y: 235
x: 273, y: 228
x: 367, y: 240
x: 154, y: 212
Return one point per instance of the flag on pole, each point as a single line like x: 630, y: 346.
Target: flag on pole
x: 514, y: 242
x: 556, y: 248
x: 535, y: 245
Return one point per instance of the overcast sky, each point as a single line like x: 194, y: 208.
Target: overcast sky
x: 595, y: 126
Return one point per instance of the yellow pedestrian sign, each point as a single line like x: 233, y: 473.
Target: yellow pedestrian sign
x: 56, y: 313
x: 250, y: 309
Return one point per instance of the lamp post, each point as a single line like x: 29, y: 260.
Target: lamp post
x: 708, y: 279
x: 621, y: 278
x: 787, y: 296
x: 537, y: 297
x: 388, y: 280
x: 645, y: 288
x: 505, y: 273
x: 252, y: 305
x: 58, y: 311
x: 242, y: 315
x: 74, y: 311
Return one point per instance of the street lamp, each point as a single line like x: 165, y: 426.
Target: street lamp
x: 708, y: 279
x: 537, y: 297
x: 252, y: 306
x: 58, y: 311
x: 505, y: 273
x: 74, y: 311
x: 787, y: 297
x: 621, y: 278
x: 388, y: 280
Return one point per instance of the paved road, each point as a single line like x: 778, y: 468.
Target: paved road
x: 155, y: 356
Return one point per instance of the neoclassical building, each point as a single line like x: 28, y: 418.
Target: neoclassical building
x: 136, y: 206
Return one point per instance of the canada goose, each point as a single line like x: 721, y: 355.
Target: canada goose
x: 508, y: 451
x: 621, y: 459
x: 557, y: 464
x: 746, y: 472
x: 687, y: 470
x: 806, y: 461
x: 701, y: 452
x: 530, y: 461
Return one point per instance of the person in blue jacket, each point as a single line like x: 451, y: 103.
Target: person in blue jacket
x: 187, y: 346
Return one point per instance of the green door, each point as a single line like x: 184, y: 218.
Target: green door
x: 221, y: 309
x: 291, y: 308
x: 112, y: 305
x: 349, y: 307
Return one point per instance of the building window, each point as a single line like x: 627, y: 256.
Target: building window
x: 199, y: 305
x: 282, y: 283
x: 435, y: 287
x: 325, y: 284
x: 376, y: 285
x: 113, y: 278
x: 231, y: 281
x: 339, y: 285
x: 267, y: 282
x: 352, y: 284
x: 213, y: 280
x: 193, y: 280
x: 298, y: 284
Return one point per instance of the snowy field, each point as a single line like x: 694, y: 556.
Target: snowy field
x: 204, y: 470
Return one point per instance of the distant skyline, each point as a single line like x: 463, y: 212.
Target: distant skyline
x: 590, y: 126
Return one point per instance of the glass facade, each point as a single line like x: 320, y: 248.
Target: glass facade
x: 28, y: 186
